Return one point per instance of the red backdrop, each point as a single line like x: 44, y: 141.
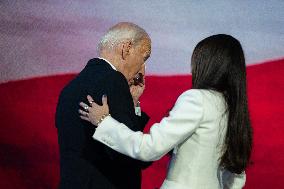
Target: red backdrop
x: 29, y: 152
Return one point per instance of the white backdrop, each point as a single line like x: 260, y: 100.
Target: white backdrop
x: 39, y: 38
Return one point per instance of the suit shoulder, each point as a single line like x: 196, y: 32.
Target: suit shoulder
x: 116, y: 75
x: 192, y: 94
x: 117, y: 78
x: 200, y: 94
x: 190, y: 98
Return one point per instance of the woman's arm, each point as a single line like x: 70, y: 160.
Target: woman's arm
x: 182, y: 121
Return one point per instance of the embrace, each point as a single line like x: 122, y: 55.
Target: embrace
x: 104, y: 147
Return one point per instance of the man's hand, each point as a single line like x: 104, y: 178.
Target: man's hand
x: 136, y: 91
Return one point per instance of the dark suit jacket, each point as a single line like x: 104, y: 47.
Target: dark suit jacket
x: 84, y: 162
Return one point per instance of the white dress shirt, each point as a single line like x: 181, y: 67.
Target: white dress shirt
x: 108, y: 63
x: 195, y: 129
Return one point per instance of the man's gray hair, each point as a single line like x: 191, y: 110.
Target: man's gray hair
x: 121, y: 32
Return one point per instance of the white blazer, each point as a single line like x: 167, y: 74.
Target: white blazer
x: 195, y: 129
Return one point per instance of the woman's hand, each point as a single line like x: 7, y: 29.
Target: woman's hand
x: 94, y: 113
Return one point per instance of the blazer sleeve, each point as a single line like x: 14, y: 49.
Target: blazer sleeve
x: 182, y: 121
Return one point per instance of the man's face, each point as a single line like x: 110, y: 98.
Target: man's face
x: 138, y: 55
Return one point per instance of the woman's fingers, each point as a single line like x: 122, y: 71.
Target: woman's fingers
x: 85, y: 118
x: 83, y: 113
x: 94, y: 112
x: 90, y: 99
x: 104, y: 100
x: 84, y: 106
x: 105, y: 105
x: 94, y: 107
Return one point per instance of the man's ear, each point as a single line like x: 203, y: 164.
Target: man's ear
x: 125, y: 50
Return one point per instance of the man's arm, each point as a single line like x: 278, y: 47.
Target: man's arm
x: 71, y: 140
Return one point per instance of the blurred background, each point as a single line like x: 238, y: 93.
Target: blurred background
x: 45, y: 43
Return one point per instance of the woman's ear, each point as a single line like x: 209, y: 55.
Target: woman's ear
x: 125, y: 50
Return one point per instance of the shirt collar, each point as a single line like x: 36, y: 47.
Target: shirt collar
x: 108, y: 63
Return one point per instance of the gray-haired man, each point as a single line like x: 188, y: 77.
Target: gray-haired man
x: 84, y: 162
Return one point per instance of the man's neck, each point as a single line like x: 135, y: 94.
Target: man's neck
x: 109, y: 62
x: 114, y: 63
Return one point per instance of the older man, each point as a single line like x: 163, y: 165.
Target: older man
x: 84, y: 162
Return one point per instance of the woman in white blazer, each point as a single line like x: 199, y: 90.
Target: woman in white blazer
x: 208, y: 127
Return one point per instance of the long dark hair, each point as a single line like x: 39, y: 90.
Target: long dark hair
x: 218, y: 64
